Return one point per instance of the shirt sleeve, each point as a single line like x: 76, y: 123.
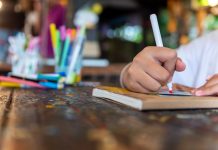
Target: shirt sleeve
x: 200, y: 57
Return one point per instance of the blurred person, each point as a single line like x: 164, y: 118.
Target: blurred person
x: 55, y: 14
x: 33, y: 19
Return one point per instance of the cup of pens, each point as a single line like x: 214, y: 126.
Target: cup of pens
x: 67, y: 45
x: 25, y: 60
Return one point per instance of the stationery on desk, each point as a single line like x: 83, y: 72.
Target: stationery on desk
x: 52, y: 81
x: 163, y: 99
x: 76, y: 57
x: 68, y: 45
x: 25, y: 59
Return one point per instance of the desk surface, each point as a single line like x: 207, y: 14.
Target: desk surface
x: 73, y: 119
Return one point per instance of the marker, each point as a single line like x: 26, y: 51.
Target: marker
x: 13, y: 85
x: 63, y: 36
x: 20, y: 81
x: 53, y: 35
x: 77, y: 50
x: 63, y: 32
x: 73, y: 34
x: 36, y: 77
x: 58, y: 47
x: 52, y: 85
x: 65, y: 52
x: 159, y: 42
x: 10, y: 84
x: 54, y: 39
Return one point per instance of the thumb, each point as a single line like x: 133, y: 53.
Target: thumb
x: 180, y: 65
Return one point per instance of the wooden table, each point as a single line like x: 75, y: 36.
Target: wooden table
x: 33, y: 119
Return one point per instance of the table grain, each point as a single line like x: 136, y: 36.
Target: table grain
x: 34, y: 119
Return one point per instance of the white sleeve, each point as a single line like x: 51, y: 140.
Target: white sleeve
x: 201, y: 59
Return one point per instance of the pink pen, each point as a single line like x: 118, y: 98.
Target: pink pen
x: 63, y: 32
x: 24, y: 82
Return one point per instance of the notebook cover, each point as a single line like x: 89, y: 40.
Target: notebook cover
x: 154, y: 101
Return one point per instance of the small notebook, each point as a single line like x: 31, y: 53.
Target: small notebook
x: 154, y: 101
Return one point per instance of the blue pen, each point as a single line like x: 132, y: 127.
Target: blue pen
x: 52, y: 85
x: 50, y: 77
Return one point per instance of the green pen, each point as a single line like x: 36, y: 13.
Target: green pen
x: 65, y: 52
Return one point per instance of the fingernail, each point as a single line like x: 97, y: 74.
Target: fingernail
x: 199, y: 93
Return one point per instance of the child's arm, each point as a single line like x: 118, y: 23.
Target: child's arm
x: 152, y: 68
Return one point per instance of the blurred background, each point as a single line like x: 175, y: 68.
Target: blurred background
x: 117, y: 29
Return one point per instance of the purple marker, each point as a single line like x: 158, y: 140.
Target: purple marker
x: 63, y: 32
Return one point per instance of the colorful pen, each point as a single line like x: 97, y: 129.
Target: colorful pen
x: 77, y: 50
x: 36, y: 77
x: 52, y: 85
x: 20, y: 81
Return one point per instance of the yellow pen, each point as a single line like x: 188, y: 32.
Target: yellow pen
x: 53, y: 35
x: 10, y: 84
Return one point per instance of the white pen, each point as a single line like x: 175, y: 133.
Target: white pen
x: 158, y: 40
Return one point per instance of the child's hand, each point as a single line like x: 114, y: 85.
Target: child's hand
x: 209, y: 88
x: 152, y: 68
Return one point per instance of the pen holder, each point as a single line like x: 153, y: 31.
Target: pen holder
x: 74, y: 76
x: 24, y: 54
x: 25, y: 63
x: 68, y: 49
x: 73, y: 73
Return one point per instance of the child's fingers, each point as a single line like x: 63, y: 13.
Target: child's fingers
x: 205, y: 91
x: 182, y: 87
x: 170, y: 64
x: 162, y: 54
x: 212, y: 81
x: 135, y: 87
x: 137, y: 74
x: 156, y: 71
x: 209, y: 77
x: 147, y: 82
x: 150, y: 67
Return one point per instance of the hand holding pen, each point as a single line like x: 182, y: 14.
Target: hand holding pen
x: 159, y: 43
x: 151, y: 69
